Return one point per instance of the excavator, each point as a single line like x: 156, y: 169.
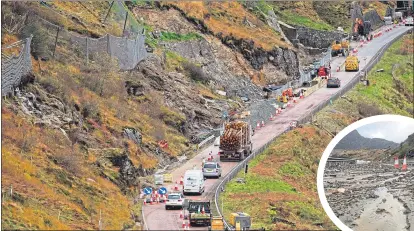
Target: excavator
x: 340, y: 48
x: 286, y: 94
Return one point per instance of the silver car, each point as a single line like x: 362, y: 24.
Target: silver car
x: 212, y: 169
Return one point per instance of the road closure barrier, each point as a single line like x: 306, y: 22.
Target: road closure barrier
x: 168, y: 178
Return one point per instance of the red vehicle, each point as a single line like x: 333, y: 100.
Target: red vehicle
x: 323, y: 72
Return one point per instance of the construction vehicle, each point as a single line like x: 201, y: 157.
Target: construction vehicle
x: 236, y: 143
x: 199, y: 213
x: 352, y: 63
x: 286, y: 94
x: 323, y: 72
x: 216, y: 223
x: 361, y: 28
x: 240, y: 221
x: 337, y: 48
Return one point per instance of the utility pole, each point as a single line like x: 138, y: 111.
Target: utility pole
x: 126, y: 18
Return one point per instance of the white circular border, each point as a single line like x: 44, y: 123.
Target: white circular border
x: 331, y: 146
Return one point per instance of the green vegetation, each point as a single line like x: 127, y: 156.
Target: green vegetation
x: 171, y: 36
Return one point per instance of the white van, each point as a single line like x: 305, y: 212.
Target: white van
x: 193, y: 182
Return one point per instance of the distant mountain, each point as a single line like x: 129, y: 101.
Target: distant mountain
x: 354, y: 141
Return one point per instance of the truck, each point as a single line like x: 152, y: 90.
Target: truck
x: 236, y: 143
x: 199, y: 213
x: 240, y: 221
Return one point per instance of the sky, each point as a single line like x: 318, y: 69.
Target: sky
x: 392, y: 130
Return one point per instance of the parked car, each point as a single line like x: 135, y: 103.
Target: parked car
x: 174, y: 200
x: 211, y: 169
x: 333, y: 82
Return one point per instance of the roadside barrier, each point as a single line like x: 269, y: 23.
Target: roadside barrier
x: 168, y: 178
x: 263, y: 124
x: 404, y: 166
x: 305, y: 118
x: 182, y: 180
x: 271, y: 117
x: 396, y: 164
x: 181, y: 214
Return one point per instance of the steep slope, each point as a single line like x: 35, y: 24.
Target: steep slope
x: 355, y: 141
x: 405, y: 148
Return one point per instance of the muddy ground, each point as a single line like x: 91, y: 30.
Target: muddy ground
x: 373, y: 196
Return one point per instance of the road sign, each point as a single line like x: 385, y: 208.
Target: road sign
x: 246, y: 167
x: 147, y: 191
x: 162, y: 191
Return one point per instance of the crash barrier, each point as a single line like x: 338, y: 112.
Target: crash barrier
x: 314, y: 88
x: 14, y: 68
x: 206, y: 141
x: 241, y: 165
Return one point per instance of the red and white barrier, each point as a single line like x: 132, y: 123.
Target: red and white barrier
x: 258, y: 126
x: 301, y: 96
x: 271, y: 117
x: 263, y: 124
x: 396, y: 164
x: 404, y: 166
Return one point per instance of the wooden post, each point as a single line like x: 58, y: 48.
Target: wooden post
x: 11, y: 190
x: 126, y: 18
x: 100, y: 219
x: 57, y: 35
x: 108, y: 11
x: 108, y: 44
x: 87, y: 51
x: 59, y: 216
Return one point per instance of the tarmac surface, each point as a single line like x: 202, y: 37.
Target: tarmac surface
x: 156, y: 217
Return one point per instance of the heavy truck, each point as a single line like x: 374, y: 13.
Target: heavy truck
x: 236, y: 141
x: 199, y: 213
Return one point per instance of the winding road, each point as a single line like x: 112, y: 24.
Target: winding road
x: 156, y: 217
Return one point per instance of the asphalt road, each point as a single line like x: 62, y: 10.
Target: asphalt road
x: 158, y: 218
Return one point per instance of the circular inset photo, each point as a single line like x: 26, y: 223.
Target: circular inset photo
x: 366, y: 175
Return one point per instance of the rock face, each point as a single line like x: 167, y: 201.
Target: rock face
x: 355, y: 141
x: 317, y: 38
x: 372, y: 16
x: 47, y: 110
x: 285, y: 59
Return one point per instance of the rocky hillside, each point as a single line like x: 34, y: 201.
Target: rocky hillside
x: 79, y: 140
x: 405, y: 148
x: 355, y: 141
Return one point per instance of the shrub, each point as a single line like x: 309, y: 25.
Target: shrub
x: 90, y: 109
x: 70, y: 160
x: 367, y: 110
x: 40, y: 39
x: 196, y: 73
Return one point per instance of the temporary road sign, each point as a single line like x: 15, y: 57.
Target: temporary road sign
x: 162, y: 191
x: 147, y: 191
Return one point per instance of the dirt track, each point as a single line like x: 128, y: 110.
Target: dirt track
x: 372, y: 196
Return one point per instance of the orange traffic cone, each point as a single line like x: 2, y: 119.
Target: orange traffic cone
x: 176, y: 186
x: 271, y: 117
x: 404, y: 166
x: 263, y: 124
x: 301, y: 96
x: 181, y: 180
x: 183, y: 224
x: 181, y: 214
x: 294, y: 100
x: 145, y: 201
x: 396, y: 164
x: 258, y: 126
x: 203, y: 211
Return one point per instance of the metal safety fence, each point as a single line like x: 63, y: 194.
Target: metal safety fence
x: 128, y: 52
x: 14, y: 68
x: 305, y: 118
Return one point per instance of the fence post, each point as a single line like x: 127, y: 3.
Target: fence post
x: 57, y: 35
x: 108, y: 11
x: 108, y: 44
x: 126, y: 18
x: 87, y: 51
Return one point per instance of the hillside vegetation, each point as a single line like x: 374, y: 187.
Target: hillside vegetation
x: 280, y: 187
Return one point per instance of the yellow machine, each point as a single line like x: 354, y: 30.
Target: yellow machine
x: 240, y: 221
x: 339, y: 48
x: 352, y: 63
x: 217, y: 223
